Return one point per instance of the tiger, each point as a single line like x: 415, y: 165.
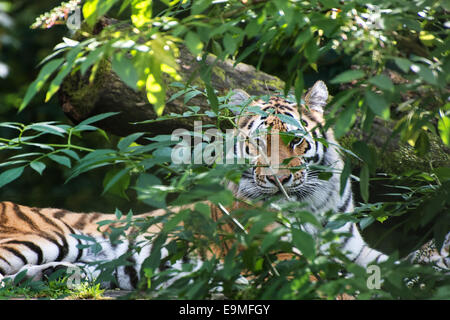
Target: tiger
x: 297, y: 179
x: 36, y: 240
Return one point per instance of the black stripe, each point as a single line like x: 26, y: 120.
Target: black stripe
x: 130, y: 270
x: 47, y: 219
x: 59, y: 214
x: 7, y: 262
x: 80, y: 251
x: 379, y: 256
x: 327, y: 200
x: 63, y: 249
x: 17, y: 254
x: 348, y: 238
x: 311, y: 116
x: 359, y: 253
x: 24, y: 217
x: 81, y: 222
x: 30, y: 245
x: 3, y: 218
x: 346, y: 202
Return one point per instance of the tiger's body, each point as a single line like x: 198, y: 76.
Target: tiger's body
x: 35, y: 239
x: 42, y: 237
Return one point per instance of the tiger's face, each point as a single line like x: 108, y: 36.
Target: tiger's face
x: 281, y: 141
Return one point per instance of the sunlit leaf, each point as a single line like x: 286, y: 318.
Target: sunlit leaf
x: 444, y: 129
x: 37, y: 84
x: 141, y: 12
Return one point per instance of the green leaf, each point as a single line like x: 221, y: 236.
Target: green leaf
x: 65, y: 70
x: 125, y: 70
x: 175, y: 220
x: 10, y: 175
x: 252, y: 28
x: 37, y: 166
x: 156, y: 93
x: 325, y: 175
x: 191, y: 94
x: 37, y: 84
x: 348, y: 76
x: 92, y: 57
x: 141, y: 12
x: 63, y: 160
x: 367, y: 154
x: 54, y: 85
x: 70, y: 153
x: 422, y: 144
x: 199, y: 6
x: 212, y: 98
x: 125, y: 142
x: 403, y: 64
x: 229, y: 43
x: 364, y: 182
x: 116, y: 182
x: 377, y: 104
x: 443, y: 173
x: 444, y: 129
x: 303, y: 37
x: 346, y: 171
x: 271, y: 238
x: 289, y: 120
x: 304, y: 242
x: 328, y: 4
x: 193, y: 43
x: 92, y: 9
x: 311, y: 51
x: 382, y: 82
x: 151, y: 196
x: 345, y: 120
x: 47, y: 127
x: 299, y: 86
x: 427, y: 74
x: 217, y: 48
x: 96, y: 118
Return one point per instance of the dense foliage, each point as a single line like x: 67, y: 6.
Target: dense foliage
x: 385, y: 60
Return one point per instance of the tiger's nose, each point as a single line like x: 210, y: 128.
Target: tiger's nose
x: 283, y: 179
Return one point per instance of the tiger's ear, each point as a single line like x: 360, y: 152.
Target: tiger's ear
x: 237, y: 99
x: 317, y: 96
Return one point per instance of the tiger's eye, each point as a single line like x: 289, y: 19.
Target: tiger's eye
x: 296, y: 141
